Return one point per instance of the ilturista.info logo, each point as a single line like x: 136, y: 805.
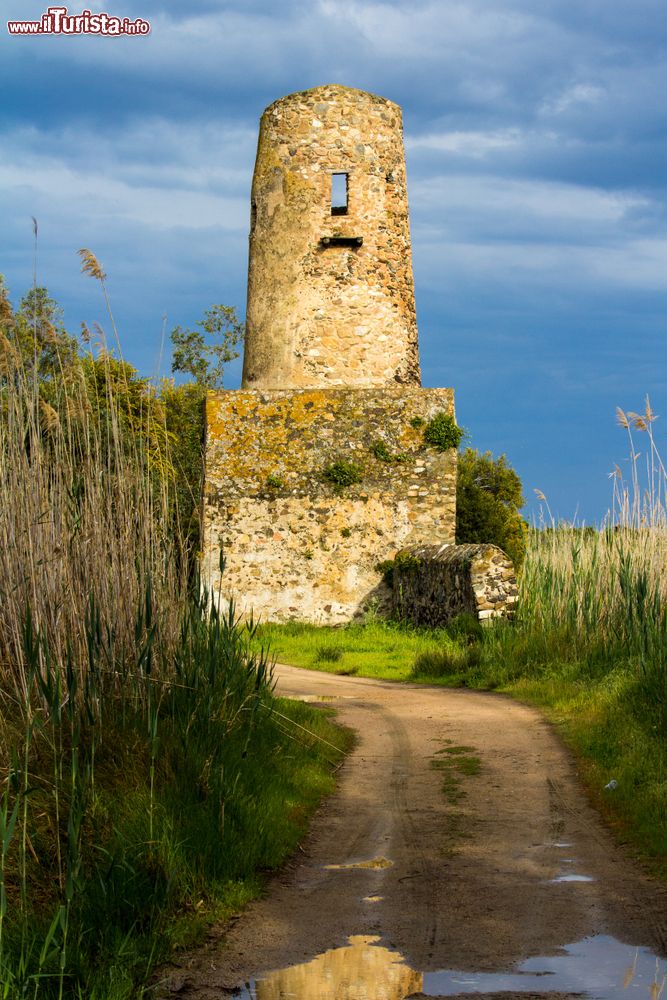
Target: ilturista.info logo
x: 58, y: 21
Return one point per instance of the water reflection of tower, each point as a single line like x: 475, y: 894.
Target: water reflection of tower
x: 362, y: 971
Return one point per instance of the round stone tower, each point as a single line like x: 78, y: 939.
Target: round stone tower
x: 330, y: 287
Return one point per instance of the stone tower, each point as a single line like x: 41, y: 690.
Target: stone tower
x: 330, y: 289
x: 318, y: 469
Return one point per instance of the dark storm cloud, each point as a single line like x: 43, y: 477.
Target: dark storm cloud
x: 535, y: 136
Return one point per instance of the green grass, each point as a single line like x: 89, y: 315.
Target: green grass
x: 284, y: 779
x: 378, y: 649
x: 455, y: 763
x: 328, y: 654
x: 615, y: 733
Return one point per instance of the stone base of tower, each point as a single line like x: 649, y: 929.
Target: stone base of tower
x: 296, y: 544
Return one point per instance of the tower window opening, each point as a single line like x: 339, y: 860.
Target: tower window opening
x: 339, y: 193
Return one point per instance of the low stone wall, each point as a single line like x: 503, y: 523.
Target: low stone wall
x: 434, y: 583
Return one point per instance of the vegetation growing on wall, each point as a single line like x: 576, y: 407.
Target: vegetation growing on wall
x: 342, y: 473
x: 442, y: 432
x: 380, y: 450
x: 274, y: 482
x: 402, y: 560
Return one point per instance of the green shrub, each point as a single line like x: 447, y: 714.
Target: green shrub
x: 386, y: 569
x: 466, y: 628
x: 343, y: 473
x: 274, y: 482
x: 443, y: 432
x: 382, y: 453
x: 328, y: 654
x: 184, y: 422
x: 447, y: 662
x: 488, y: 499
x: 402, y: 560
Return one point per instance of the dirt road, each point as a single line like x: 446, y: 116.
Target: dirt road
x: 458, y: 855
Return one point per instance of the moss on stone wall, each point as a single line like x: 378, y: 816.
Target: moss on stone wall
x: 298, y: 546
x: 295, y: 435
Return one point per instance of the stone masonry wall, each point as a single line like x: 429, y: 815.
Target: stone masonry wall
x: 434, y: 583
x: 320, y: 313
x: 296, y: 546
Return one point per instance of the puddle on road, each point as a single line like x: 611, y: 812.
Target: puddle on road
x: 310, y: 698
x: 572, y: 878
x: 372, y: 899
x: 361, y: 971
x: 599, y: 967
x: 372, y: 863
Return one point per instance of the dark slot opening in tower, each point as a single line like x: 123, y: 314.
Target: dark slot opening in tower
x: 339, y: 190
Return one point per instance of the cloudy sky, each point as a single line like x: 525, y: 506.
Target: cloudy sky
x: 535, y: 134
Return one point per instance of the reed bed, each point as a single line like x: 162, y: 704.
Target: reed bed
x: 135, y: 720
x: 599, y: 595
x: 606, y: 588
x: 83, y: 529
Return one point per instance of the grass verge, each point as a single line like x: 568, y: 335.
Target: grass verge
x: 376, y: 649
x: 122, y: 841
x: 284, y: 780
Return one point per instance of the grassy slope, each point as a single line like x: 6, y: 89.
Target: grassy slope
x: 611, y: 738
x: 371, y: 650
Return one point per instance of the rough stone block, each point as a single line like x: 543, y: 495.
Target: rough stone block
x: 432, y: 584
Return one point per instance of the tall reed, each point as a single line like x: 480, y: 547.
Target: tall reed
x: 117, y: 676
x: 599, y: 595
